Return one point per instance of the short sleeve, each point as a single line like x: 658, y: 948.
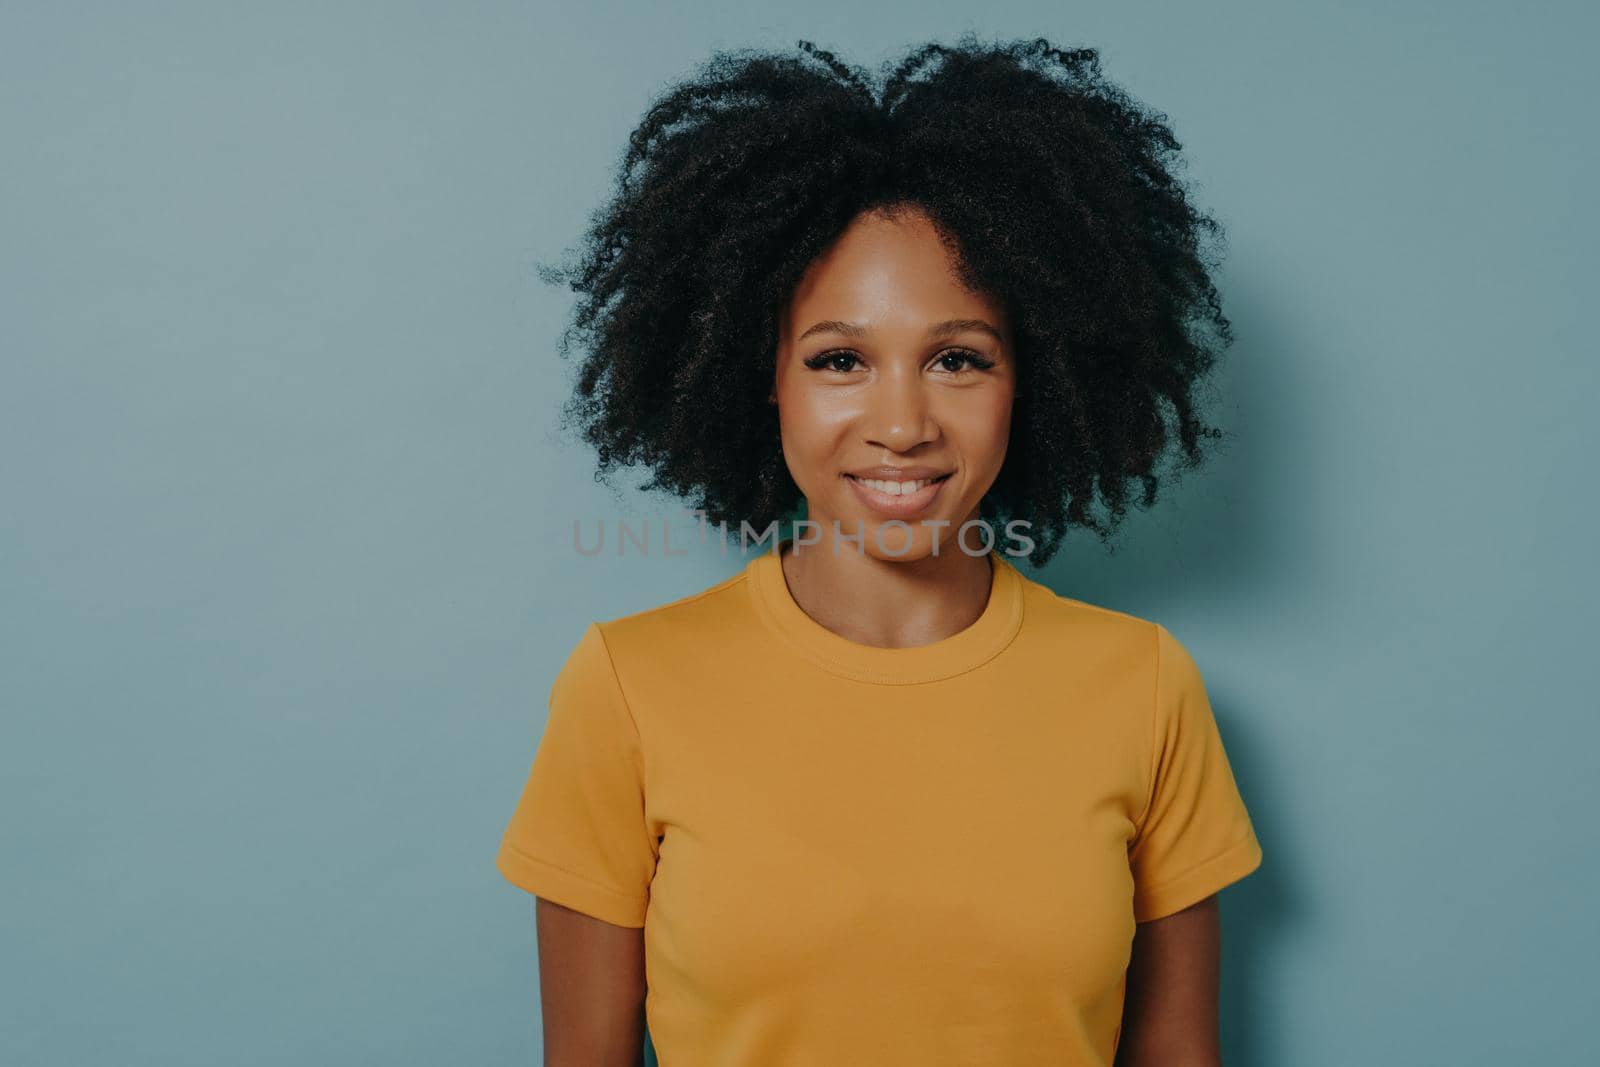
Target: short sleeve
x: 579, y: 834
x: 1195, y: 836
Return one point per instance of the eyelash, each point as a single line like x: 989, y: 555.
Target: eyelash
x: 822, y: 359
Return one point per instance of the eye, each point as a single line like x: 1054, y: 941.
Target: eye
x: 831, y: 360
x: 953, y: 360
x: 964, y: 356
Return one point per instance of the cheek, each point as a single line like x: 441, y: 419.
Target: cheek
x: 811, y: 424
x: 985, y: 430
x: 810, y: 437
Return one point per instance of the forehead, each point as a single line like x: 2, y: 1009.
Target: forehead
x: 886, y: 271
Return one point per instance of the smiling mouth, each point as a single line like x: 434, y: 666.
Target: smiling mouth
x: 894, y: 488
x: 897, y: 499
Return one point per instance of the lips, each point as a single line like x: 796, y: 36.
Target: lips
x: 898, y: 506
x: 899, y: 474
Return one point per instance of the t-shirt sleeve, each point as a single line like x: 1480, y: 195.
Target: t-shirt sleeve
x: 1195, y: 836
x: 579, y: 834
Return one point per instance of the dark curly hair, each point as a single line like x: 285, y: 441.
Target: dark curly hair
x: 1054, y: 189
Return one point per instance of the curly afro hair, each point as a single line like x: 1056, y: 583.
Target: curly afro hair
x: 1055, y: 190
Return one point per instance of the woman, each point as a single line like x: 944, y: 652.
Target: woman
x: 879, y: 798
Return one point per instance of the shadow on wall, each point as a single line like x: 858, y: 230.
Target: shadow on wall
x: 1254, y: 911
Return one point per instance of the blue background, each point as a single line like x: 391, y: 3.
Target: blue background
x: 285, y: 547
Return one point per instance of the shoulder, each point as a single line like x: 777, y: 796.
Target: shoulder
x: 693, y: 623
x: 1088, y: 625
x: 1105, y: 640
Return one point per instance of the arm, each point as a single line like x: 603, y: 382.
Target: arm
x: 591, y: 989
x: 1169, y: 1016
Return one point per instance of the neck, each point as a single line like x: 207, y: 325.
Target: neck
x: 887, y: 603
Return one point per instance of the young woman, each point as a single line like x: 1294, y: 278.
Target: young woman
x: 880, y: 798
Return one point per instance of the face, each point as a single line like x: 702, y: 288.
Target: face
x: 886, y: 361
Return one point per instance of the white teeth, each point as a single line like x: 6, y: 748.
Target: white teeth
x: 895, y: 488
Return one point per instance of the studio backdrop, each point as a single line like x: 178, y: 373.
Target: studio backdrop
x: 286, y: 527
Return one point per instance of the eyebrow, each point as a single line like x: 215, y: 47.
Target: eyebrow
x: 948, y: 328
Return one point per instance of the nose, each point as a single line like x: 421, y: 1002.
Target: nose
x: 899, y: 416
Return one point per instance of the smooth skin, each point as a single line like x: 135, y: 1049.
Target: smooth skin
x: 884, y: 358
x: 591, y: 989
x: 896, y: 390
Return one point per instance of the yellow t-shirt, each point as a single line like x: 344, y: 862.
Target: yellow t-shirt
x: 843, y: 854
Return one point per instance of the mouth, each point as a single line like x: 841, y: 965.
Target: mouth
x: 897, y: 499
